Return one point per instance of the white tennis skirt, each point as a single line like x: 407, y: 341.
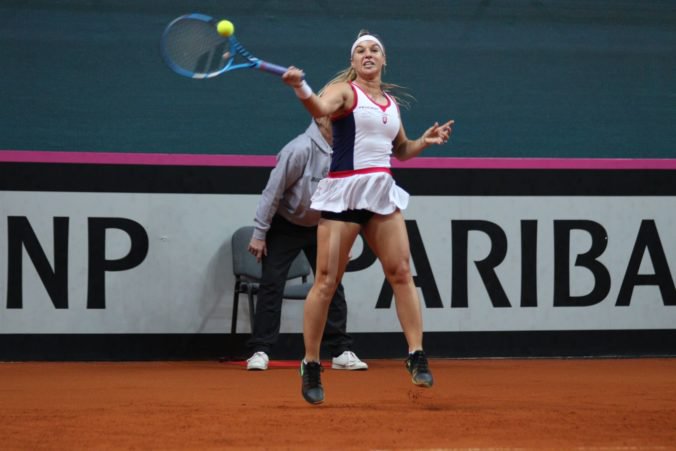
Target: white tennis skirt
x: 376, y: 192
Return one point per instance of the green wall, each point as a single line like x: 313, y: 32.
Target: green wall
x: 548, y: 78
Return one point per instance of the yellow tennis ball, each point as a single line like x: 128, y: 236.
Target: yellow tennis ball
x: 225, y: 28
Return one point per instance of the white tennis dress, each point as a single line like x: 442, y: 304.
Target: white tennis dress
x: 360, y: 176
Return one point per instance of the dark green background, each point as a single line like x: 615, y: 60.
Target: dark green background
x: 549, y: 78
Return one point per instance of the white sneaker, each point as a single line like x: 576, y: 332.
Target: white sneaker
x: 348, y: 360
x: 258, y: 361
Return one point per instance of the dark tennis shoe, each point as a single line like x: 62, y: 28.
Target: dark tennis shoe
x: 417, y: 365
x: 313, y: 392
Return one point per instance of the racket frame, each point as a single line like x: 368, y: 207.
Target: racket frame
x: 236, y: 48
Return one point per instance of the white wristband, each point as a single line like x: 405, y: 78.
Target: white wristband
x: 304, y: 91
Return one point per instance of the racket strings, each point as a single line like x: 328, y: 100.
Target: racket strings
x: 196, y: 46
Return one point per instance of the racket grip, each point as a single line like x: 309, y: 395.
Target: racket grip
x: 271, y: 68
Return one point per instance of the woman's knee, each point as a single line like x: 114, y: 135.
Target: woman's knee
x: 325, y: 287
x: 398, y: 272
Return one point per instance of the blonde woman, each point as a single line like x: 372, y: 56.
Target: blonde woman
x: 360, y: 194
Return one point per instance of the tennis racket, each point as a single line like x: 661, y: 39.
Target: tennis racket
x: 191, y: 46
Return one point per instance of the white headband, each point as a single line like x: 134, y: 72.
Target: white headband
x: 366, y: 37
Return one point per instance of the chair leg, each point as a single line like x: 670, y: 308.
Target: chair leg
x: 252, y: 308
x: 235, y: 304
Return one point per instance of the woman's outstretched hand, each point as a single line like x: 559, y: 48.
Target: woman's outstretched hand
x: 438, y: 134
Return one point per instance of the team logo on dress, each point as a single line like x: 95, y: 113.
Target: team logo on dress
x: 384, y: 118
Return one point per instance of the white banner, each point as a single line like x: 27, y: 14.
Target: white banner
x: 161, y: 263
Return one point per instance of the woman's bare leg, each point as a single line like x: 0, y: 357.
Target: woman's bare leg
x: 334, y: 241
x: 388, y: 238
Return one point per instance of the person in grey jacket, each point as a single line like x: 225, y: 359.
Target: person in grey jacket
x: 284, y: 226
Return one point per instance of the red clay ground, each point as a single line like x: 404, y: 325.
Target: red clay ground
x: 621, y: 404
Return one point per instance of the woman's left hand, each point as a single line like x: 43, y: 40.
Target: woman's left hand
x: 438, y: 134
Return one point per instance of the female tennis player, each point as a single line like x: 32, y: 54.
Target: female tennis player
x: 360, y: 194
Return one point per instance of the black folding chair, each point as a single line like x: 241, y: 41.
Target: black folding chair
x: 247, y: 273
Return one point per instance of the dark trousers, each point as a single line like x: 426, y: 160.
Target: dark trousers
x: 284, y: 241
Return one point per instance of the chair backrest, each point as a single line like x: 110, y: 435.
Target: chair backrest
x: 245, y: 264
x: 300, y: 267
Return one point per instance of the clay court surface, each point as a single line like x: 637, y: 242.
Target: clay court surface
x: 584, y: 404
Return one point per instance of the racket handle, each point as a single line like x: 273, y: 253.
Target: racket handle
x: 271, y: 68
